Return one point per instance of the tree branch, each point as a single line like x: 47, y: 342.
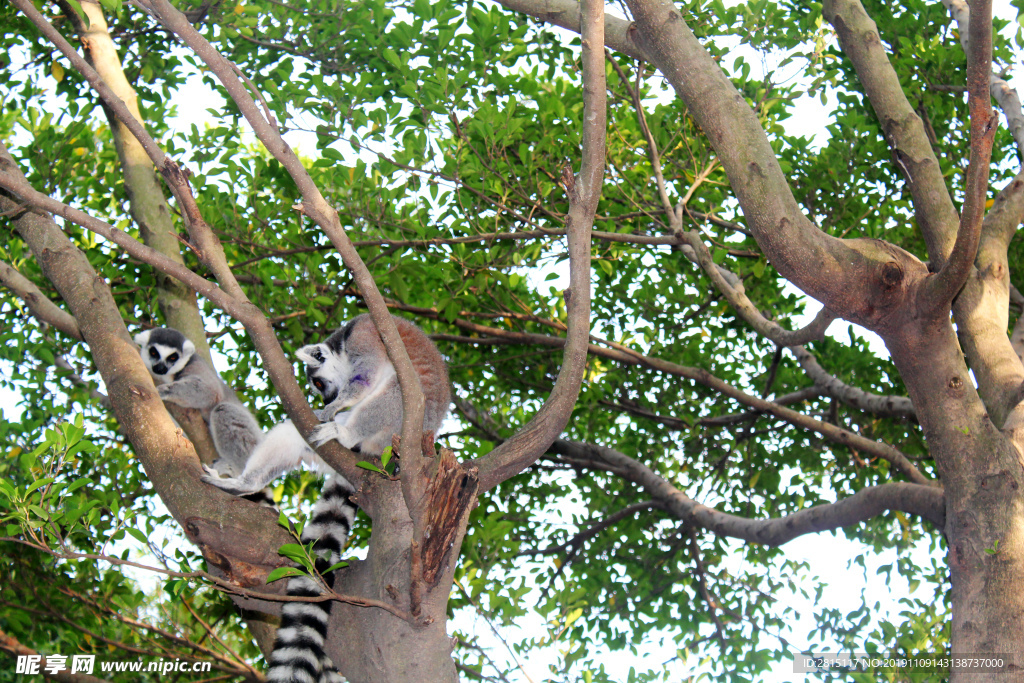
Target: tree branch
x: 694, y: 248
x: 789, y: 240
x: 629, y: 357
x: 584, y: 190
x: 925, y: 501
x: 40, y: 306
x: 745, y: 308
x: 885, y: 406
x: 12, y: 647
x: 1001, y: 91
x: 981, y: 310
x: 939, y: 291
x: 567, y: 14
x: 933, y: 207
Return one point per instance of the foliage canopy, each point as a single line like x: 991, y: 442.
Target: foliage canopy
x: 440, y: 131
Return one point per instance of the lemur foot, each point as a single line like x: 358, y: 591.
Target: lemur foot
x: 233, y: 485
x: 324, y: 433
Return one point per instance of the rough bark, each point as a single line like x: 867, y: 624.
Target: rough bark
x: 893, y: 294
x: 238, y: 537
x: 981, y: 310
x: 982, y: 472
x: 146, y: 201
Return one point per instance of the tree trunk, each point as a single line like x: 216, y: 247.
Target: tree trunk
x: 982, y: 472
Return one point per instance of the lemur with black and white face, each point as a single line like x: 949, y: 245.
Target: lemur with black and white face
x: 185, y: 379
x: 363, y: 410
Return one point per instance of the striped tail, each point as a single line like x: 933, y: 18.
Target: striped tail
x: 298, y: 655
x: 263, y: 498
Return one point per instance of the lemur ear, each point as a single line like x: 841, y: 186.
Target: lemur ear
x: 312, y: 355
x: 142, y: 338
x: 188, y: 347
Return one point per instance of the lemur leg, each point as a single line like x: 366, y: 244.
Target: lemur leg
x: 282, y: 450
x: 235, y: 434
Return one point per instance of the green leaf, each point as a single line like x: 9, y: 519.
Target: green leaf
x: 112, y: 6
x: 77, y: 484
x: 294, y: 552
x: 392, y: 57
x: 37, y: 484
x: 282, y: 572
x: 137, y: 535
x: 335, y: 567
x: 398, y: 285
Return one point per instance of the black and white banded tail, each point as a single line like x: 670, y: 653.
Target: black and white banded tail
x: 298, y: 655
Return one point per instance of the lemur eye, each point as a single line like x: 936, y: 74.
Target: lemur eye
x: 173, y: 358
x: 319, y: 384
x: 153, y: 353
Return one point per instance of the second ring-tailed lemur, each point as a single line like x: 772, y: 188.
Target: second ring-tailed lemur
x: 363, y: 410
x: 363, y: 404
x: 185, y: 379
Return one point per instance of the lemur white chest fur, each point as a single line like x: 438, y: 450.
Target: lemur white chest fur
x: 362, y: 401
x: 184, y: 378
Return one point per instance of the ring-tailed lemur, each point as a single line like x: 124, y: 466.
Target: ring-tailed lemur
x: 363, y: 409
x: 185, y: 379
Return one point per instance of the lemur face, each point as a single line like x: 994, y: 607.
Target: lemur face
x: 165, y: 352
x: 342, y: 370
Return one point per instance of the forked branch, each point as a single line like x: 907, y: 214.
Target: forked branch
x: 231, y: 298
x: 584, y: 190
x: 326, y: 217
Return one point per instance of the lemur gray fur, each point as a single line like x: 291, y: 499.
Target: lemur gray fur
x: 363, y: 409
x: 185, y: 379
x: 363, y: 404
